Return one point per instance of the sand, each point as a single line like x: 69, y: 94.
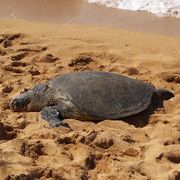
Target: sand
x: 142, y: 147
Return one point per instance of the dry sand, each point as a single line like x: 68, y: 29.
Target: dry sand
x: 142, y: 148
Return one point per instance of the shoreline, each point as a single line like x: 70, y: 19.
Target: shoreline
x: 80, y: 12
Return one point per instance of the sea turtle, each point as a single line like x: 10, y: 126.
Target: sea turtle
x: 89, y: 96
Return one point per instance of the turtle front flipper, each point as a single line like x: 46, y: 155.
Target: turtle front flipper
x: 52, y: 115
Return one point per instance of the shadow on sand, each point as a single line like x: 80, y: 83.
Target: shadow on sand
x: 140, y: 120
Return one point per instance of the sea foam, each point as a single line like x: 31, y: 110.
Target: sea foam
x: 158, y: 7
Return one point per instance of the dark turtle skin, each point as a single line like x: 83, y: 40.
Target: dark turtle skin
x: 89, y: 96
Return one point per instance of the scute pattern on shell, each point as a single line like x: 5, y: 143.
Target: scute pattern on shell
x: 103, y: 95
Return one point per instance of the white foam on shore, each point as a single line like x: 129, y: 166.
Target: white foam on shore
x: 158, y: 7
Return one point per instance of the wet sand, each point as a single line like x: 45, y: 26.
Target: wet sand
x: 80, y: 12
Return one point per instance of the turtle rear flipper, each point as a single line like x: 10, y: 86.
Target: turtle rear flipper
x: 160, y: 95
x: 52, y: 115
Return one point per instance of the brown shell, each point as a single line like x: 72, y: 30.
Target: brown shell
x: 102, y: 95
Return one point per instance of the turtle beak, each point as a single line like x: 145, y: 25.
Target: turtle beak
x: 20, y: 103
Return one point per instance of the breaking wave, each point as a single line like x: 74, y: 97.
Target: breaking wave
x: 158, y: 7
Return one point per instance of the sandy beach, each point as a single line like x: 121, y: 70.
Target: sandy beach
x: 142, y: 147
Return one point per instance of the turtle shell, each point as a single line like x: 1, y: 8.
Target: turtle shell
x: 104, y: 95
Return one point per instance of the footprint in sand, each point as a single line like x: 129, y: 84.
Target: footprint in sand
x: 172, y: 154
x: 33, y: 49
x: 7, y: 89
x: 104, y: 140
x: 7, y: 132
x: 81, y: 63
x: 174, y: 176
x: 65, y: 139
x: 12, y: 69
x: 21, y: 123
x: 172, y: 141
x: 36, y: 173
x: 2, y: 52
x: 6, y: 43
x: 1, y: 39
x: 12, y: 37
x: 131, y: 152
x: 131, y: 71
x: 32, y: 149
x: 6, y: 104
x: 83, y: 157
x: 172, y: 77
x: 18, y: 56
x: 18, y: 64
x: 7, y: 39
x: 34, y: 71
x: 91, y: 136
x: 15, y: 65
x: 20, y: 176
x: 127, y: 138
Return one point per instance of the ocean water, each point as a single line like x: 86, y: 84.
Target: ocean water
x: 158, y: 7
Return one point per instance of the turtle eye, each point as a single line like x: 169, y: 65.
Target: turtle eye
x: 40, y: 88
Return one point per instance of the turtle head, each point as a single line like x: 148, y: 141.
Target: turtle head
x: 33, y: 99
x: 160, y: 95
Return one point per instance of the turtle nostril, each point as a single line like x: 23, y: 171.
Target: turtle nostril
x: 17, y: 104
